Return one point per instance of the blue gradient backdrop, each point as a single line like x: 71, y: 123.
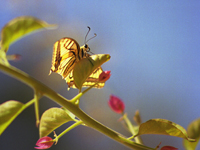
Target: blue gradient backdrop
x: 155, y: 65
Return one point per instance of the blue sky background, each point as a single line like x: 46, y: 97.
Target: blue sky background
x: 155, y: 65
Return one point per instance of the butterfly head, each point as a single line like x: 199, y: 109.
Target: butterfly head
x: 85, y: 48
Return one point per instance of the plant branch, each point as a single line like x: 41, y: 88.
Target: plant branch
x: 46, y: 91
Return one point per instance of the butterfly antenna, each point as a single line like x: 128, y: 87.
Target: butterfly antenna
x: 92, y: 37
x: 87, y: 34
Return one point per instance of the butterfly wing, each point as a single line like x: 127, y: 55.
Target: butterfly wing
x: 65, y: 55
x: 94, y: 77
x: 91, y: 80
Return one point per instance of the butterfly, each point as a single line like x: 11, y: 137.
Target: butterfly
x: 66, y: 53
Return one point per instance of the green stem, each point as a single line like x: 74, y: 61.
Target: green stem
x: 37, y: 96
x: 74, y: 100
x: 132, y: 129
x: 68, y: 129
x: 25, y: 78
x: 29, y: 103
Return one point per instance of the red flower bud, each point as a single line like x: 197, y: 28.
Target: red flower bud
x: 104, y: 76
x: 168, y: 148
x: 44, y: 143
x: 116, y: 104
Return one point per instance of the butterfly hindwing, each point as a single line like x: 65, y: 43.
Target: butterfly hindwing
x: 92, y: 79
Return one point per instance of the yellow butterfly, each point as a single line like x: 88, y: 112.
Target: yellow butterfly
x: 66, y: 54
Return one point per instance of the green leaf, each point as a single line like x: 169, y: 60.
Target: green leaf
x: 19, y: 27
x: 9, y: 110
x: 84, y: 68
x: 194, y: 132
x: 52, y: 119
x: 164, y: 127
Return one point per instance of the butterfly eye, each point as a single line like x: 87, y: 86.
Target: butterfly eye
x: 86, y: 46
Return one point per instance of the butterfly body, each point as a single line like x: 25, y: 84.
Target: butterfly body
x: 66, y: 54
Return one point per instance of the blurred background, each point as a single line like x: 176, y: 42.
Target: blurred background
x: 155, y: 66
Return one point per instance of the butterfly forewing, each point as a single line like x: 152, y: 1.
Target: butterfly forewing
x: 67, y: 66
x: 64, y: 56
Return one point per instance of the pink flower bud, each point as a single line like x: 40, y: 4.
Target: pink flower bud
x: 104, y: 76
x: 116, y: 104
x: 14, y: 57
x: 168, y: 148
x: 44, y: 143
x: 17, y: 57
